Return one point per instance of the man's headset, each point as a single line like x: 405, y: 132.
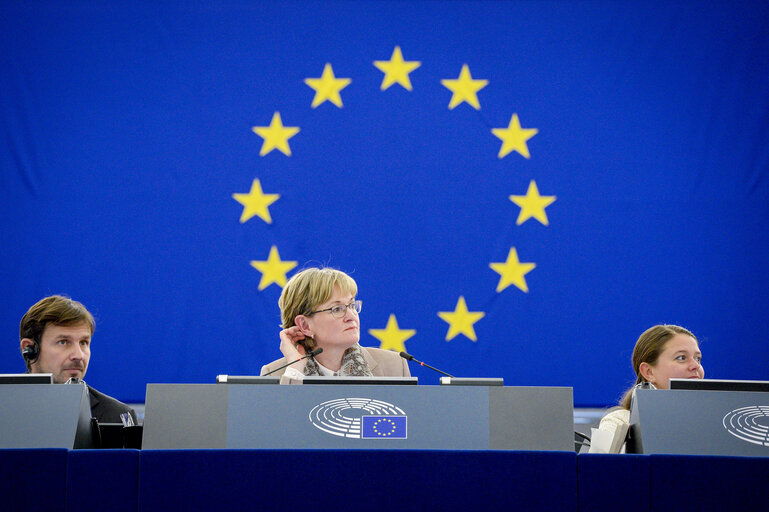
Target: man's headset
x: 31, y: 352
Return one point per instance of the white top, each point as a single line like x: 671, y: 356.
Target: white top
x: 294, y: 374
x: 613, y: 419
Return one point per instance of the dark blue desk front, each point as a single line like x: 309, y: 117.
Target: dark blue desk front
x: 677, y: 483
x: 103, y: 480
x: 357, y: 480
x: 608, y: 482
x: 33, y: 480
x: 205, y: 480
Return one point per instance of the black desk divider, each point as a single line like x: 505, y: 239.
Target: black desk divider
x: 689, y: 422
x: 26, y: 378
x: 195, y: 416
x: 359, y: 381
x: 116, y: 435
x: 720, y: 385
x: 53, y: 416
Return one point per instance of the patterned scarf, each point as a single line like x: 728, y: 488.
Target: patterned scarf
x: 353, y: 364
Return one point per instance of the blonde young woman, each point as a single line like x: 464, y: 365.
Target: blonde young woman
x: 661, y: 353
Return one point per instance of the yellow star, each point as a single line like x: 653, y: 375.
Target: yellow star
x: 461, y: 320
x: 464, y: 88
x: 396, y: 70
x: 273, y: 270
x: 512, y: 271
x: 256, y: 203
x: 392, y: 337
x: 327, y: 87
x: 532, y: 205
x: 514, y: 137
x: 275, y: 136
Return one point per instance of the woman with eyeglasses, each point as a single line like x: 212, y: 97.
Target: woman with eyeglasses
x: 319, y: 310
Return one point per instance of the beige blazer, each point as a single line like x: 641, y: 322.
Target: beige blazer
x: 382, y: 363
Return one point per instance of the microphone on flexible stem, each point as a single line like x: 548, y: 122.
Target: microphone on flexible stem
x: 311, y: 353
x: 640, y: 385
x: 409, y: 357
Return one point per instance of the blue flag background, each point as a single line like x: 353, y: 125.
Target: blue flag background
x: 384, y: 427
x: 128, y: 132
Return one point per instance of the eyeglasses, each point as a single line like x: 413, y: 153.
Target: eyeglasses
x: 339, y: 310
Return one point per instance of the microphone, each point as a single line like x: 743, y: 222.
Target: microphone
x: 409, y: 357
x: 640, y: 385
x: 311, y: 353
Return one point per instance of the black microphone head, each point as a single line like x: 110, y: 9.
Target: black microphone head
x: 315, y: 352
x: 407, y: 356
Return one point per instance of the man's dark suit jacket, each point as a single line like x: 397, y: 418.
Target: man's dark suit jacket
x: 106, y: 409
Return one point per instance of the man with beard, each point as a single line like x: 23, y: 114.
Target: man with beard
x: 56, y: 338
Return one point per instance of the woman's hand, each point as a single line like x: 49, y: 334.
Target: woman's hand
x: 291, y: 347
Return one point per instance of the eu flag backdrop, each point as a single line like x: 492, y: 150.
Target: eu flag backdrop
x: 518, y: 188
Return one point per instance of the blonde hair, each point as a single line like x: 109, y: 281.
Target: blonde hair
x: 648, y: 349
x: 307, y: 290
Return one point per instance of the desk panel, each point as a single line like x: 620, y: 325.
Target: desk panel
x: 101, y: 480
x: 608, y: 480
x: 698, y: 483
x: 689, y: 422
x: 33, y: 480
x: 204, y: 480
x: 194, y: 416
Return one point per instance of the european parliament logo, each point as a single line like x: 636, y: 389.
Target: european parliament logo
x: 384, y: 427
x: 749, y: 424
x: 359, y: 418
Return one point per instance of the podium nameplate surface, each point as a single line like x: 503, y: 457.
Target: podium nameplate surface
x: 688, y: 422
x: 45, y: 416
x: 189, y: 416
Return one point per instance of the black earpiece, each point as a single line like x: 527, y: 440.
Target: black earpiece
x: 31, y: 353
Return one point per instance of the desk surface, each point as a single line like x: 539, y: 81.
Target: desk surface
x: 189, y: 416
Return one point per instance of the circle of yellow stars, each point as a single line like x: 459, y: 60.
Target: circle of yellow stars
x: 464, y: 89
x: 390, y: 423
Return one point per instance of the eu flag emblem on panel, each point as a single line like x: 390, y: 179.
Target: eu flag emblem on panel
x: 384, y: 427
